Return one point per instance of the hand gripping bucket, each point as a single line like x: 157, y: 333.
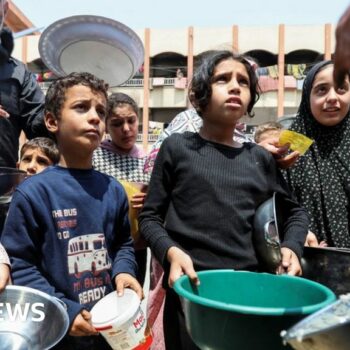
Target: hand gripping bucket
x: 122, y: 322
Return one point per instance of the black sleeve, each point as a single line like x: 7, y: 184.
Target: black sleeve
x: 293, y: 219
x: 151, y: 219
x: 31, y: 104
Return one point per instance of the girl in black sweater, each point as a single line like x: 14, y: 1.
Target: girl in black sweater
x: 205, y: 189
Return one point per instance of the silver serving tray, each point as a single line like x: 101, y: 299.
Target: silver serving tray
x: 98, y: 45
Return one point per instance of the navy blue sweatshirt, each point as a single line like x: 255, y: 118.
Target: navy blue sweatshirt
x: 67, y: 234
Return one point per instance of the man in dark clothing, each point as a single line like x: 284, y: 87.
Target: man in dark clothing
x: 21, y: 101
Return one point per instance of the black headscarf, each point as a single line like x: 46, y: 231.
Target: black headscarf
x: 321, y: 178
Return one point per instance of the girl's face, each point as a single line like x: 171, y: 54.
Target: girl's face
x: 329, y: 105
x: 230, y: 93
x: 123, y: 127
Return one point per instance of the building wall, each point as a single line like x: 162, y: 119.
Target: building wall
x: 306, y: 37
x: 249, y: 38
x: 253, y: 38
x: 165, y: 100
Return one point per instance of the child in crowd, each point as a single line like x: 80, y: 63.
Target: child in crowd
x: 120, y: 157
x: 267, y: 131
x: 62, y: 219
x: 37, y: 154
x: 205, y: 189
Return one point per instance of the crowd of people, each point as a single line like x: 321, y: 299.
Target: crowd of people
x: 198, y: 188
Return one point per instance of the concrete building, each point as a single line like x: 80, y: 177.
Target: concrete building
x: 283, y: 53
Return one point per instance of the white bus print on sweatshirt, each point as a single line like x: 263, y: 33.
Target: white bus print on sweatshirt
x: 88, y: 253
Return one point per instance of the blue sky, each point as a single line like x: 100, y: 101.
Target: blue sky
x: 139, y: 14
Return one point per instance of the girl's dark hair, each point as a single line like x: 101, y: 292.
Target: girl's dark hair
x: 200, y: 90
x: 56, y: 93
x: 117, y: 99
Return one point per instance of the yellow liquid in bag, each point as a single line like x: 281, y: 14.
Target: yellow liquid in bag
x: 298, y: 142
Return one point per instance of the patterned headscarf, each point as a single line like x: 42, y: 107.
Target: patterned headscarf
x: 321, y: 178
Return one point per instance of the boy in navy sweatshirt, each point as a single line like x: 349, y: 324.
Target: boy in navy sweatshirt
x: 67, y: 231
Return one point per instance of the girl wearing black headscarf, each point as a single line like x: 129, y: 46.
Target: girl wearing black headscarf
x: 321, y: 178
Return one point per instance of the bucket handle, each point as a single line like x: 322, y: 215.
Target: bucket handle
x: 99, y: 329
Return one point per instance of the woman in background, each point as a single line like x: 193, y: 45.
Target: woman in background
x: 121, y: 158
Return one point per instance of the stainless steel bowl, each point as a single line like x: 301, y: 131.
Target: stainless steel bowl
x: 30, y: 319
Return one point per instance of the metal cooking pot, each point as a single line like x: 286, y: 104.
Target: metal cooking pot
x: 30, y: 319
x: 266, y: 235
x: 328, y: 266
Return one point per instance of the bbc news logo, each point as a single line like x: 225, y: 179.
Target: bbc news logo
x: 22, y: 312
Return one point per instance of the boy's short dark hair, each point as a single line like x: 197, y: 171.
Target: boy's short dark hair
x: 266, y: 127
x: 56, y: 93
x: 118, y: 99
x: 200, y: 88
x: 45, y: 145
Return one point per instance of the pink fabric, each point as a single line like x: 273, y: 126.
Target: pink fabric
x: 267, y: 83
x: 4, y: 258
x: 155, y: 307
x: 290, y: 82
x: 149, y: 163
x: 136, y: 152
x: 156, y: 297
x: 180, y: 83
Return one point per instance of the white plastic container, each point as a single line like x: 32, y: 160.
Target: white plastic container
x: 122, y: 322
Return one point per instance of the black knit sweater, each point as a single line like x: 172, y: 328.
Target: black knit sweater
x: 203, y: 196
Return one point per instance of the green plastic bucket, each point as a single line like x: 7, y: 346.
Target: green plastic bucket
x: 239, y: 310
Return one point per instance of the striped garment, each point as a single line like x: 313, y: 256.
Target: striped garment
x: 128, y: 167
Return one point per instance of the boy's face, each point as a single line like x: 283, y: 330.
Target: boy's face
x: 230, y: 93
x: 81, y: 123
x: 34, y: 161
